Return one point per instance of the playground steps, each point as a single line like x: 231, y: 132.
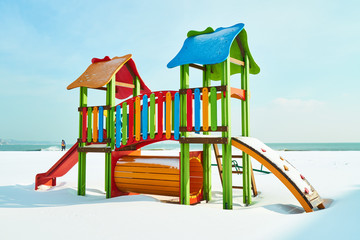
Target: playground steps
x: 218, y: 157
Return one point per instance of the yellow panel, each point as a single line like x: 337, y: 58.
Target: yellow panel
x: 95, y: 124
x: 99, y: 74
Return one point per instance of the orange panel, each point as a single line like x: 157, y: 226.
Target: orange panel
x: 137, y: 118
x: 99, y: 74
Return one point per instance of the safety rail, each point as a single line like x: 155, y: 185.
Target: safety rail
x: 93, y: 130
x: 154, y: 117
x: 147, y: 119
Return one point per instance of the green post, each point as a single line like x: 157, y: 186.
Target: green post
x: 110, y: 101
x: 245, y: 132
x: 207, y: 147
x: 184, y: 147
x: 226, y: 148
x: 82, y: 155
x: 136, y: 90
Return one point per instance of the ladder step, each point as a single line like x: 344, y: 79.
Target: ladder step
x: 233, y: 156
x: 95, y: 149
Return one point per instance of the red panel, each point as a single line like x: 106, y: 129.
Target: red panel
x: 123, y: 75
x: 131, y: 120
x: 189, y: 96
x: 160, y: 115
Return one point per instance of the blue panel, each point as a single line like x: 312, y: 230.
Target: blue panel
x: 197, y: 109
x: 144, y: 117
x: 118, y: 126
x: 101, y: 124
x: 209, y: 48
x: 176, y: 116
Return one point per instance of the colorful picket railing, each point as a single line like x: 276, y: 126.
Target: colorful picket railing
x: 93, y: 124
x: 155, y: 117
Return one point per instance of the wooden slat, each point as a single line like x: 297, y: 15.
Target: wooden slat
x: 197, y: 66
x: 202, y: 140
x: 94, y: 149
x: 218, y: 129
x: 233, y: 156
x: 145, y: 117
x: 149, y: 190
x: 197, y: 110
x: 189, y: 111
x: 213, y: 105
x: 176, y: 116
x: 130, y: 70
x: 218, y: 89
x: 95, y: 124
x: 147, y: 176
x: 106, y: 107
x: 126, y: 85
x: 205, y: 108
x: 152, y: 116
x: 236, y: 61
x: 131, y: 121
x: 101, y: 88
x: 242, y: 51
x: 137, y: 118
x: 139, y: 164
x: 147, y: 182
x: 124, y: 123
x: 130, y: 157
x: 147, y: 169
x: 218, y: 162
x: 160, y: 115
x: 168, y: 115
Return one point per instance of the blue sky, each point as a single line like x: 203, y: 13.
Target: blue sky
x: 308, y: 52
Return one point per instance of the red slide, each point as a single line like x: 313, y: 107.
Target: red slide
x: 59, y: 169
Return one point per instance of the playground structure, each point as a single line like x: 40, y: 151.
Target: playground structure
x: 147, y: 117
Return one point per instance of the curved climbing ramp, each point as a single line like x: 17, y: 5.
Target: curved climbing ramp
x: 282, y: 169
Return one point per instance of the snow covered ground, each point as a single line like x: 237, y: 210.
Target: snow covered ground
x: 58, y: 213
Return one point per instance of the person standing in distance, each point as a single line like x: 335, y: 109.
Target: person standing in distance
x: 63, y: 145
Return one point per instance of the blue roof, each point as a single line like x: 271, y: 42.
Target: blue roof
x: 208, y: 48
